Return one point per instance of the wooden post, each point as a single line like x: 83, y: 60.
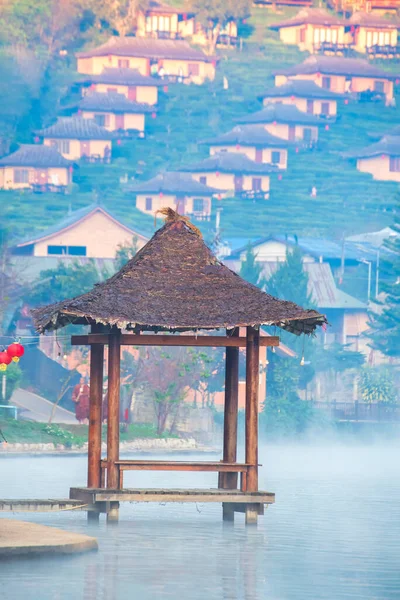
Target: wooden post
x: 114, y: 359
x: 229, y: 480
x: 96, y: 397
x: 252, y: 384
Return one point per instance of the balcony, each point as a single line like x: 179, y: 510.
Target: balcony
x: 42, y: 188
x: 96, y: 158
x: 334, y: 48
x: 386, y: 51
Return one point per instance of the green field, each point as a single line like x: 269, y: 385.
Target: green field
x: 347, y: 201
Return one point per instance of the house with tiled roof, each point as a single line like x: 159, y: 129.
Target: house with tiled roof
x: 168, y: 59
x: 92, y: 232
x: 129, y: 82
x: 381, y: 160
x: 370, y: 32
x: 254, y: 141
x: 287, y: 122
x: 160, y: 20
x: 234, y: 173
x: 310, y: 28
x: 78, y: 138
x: 341, y: 75
x: 35, y: 166
x: 114, y: 111
x: 177, y: 190
x: 306, y: 95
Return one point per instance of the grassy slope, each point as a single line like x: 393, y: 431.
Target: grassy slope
x: 347, y: 201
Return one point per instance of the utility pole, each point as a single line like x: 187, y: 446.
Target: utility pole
x: 369, y: 263
x: 378, y: 253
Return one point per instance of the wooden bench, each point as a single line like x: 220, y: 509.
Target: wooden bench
x: 170, y: 465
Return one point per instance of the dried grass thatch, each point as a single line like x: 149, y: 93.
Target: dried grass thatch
x: 175, y: 283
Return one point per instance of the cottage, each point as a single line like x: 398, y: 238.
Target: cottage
x: 174, y: 189
x: 35, y: 166
x: 129, y: 82
x: 233, y: 172
x: 287, y: 122
x: 370, y: 33
x: 159, y: 20
x: 253, y: 141
x: 169, y: 59
x: 306, y: 95
x: 341, y: 75
x: 75, y: 138
x: 375, y: 6
x: 381, y: 160
x: 92, y: 231
x: 114, y: 111
x: 310, y: 29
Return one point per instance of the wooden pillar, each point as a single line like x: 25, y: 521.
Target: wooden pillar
x: 114, y: 359
x: 229, y: 480
x: 252, y: 384
x: 96, y: 397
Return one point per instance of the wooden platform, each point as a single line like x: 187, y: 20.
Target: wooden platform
x: 40, y: 505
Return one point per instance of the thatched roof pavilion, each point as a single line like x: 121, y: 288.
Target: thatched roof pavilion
x: 176, y: 284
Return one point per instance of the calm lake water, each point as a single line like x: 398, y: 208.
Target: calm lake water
x: 334, y: 533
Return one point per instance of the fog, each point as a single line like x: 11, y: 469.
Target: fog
x: 332, y: 534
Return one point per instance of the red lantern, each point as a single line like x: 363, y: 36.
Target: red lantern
x: 5, y: 360
x: 237, y: 147
x: 15, y: 351
x: 71, y: 169
x: 153, y: 115
x: 346, y: 101
x: 118, y: 142
x: 217, y: 174
x: 79, y: 112
x: 161, y: 194
x: 297, y: 150
x: 397, y: 81
x: 36, y: 139
x: 274, y: 123
x: 383, y: 156
x: 219, y: 197
x: 318, y: 75
x: 292, y: 98
x: 280, y: 177
x: 165, y: 88
x: 326, y: 127
x: 185, y: 17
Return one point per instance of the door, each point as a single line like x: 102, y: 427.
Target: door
x: 132, y: 94
x: 85, y: 148
x: 238, y: 183
x: 119, y: 122
x: 292, y: 133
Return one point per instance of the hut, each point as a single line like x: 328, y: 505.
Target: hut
x: 254, y: 141
x: 341, y: 75
x: 77, y: 138
x: 175, y: 284
x: 37, y: 167
x: 179, y: 189
x: 311, y: 28
x: 381, y: 160
x: 287, y: 122
x: 233, y: 172
x: 114, y: 111
x: 169, y: 59
x: 306, y: 95
x: 129, y: 82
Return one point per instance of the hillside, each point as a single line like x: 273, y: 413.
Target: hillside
x: 347, y: 201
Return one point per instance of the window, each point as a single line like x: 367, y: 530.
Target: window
x: 310, y: 106
x: 379, y: 86
x: 149, y: 203
x: 394, y: 164
x: 61, y: 145
x: 256, y: 184
x: 325, y: 108
x: 100, y: 120
x: 194, y: 69
x: 326, y: 83
x: 21, y: 176
x: 198, y: 205
x: 123, y: 63
x: 67, y: 250
x: 148, y: 24
x: 275, y: 157
x: 203, y: 179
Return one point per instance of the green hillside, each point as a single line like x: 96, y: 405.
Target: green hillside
x: 347, y: 201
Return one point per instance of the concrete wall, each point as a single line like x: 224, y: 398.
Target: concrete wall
x: 282, y: 130
x: 131, y: 120
x: 158, y: 202
x: 307, y: 36
x: 144, y: 94
x: 100, y: 234
x: 95, y: 147
x: 378, y: 167
x: 250, y: 152
x: 301, y: 104
x: 226, y: 181
x: 56, y: 176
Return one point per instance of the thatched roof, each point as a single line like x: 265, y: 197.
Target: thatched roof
x: 35, y: 155
x: 175, y: 283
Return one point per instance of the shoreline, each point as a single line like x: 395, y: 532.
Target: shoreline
x: 140, y: 445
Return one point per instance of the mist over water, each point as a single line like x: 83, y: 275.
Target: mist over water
x: 334, y: 533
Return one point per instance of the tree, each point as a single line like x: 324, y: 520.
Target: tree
x: 376, y: 385
x: 125, y: 252
x: 385, y: 326
x: 290, y: 281
x: 118, y: 15
x: 216, y: 14
x: 250, y: 269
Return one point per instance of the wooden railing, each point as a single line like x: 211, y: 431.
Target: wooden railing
x: 334, y: 48
x: 41, y: 188
x: 386, y: 51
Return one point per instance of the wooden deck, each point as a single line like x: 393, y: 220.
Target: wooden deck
x: 40, y: 505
